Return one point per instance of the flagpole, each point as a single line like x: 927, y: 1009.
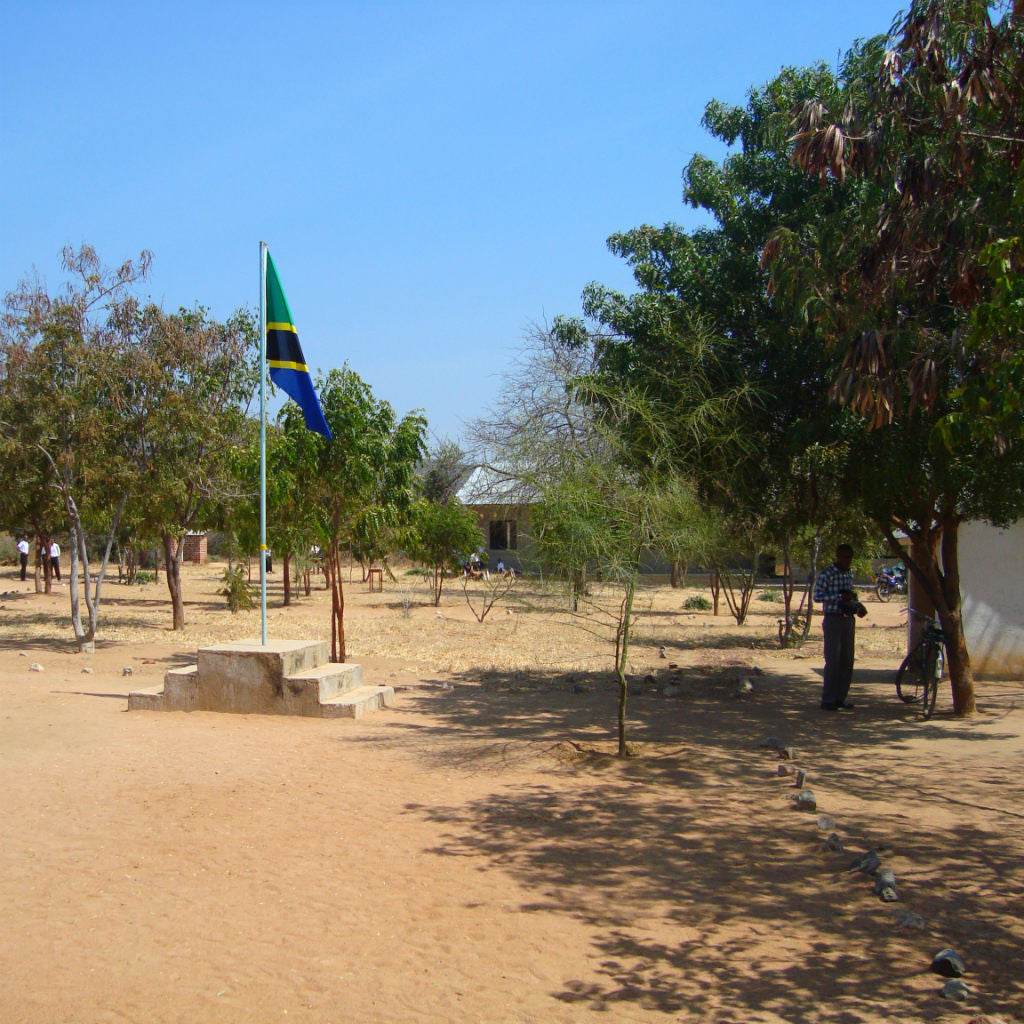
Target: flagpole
x: 263, y: 442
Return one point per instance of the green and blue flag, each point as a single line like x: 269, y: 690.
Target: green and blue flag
x: 287, y: 365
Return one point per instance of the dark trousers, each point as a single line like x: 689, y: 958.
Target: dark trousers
x: 24, y: 563
x: 839, y: 633
x: 55, y: 566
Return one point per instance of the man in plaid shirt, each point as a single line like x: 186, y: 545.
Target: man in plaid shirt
x: 834, y: 589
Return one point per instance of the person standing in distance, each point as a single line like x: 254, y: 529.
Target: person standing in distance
x: 23, y: 555
x: 834, y: 590
x: 55, y: 559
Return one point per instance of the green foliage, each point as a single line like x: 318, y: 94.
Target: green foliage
x: 441, y: 535
x: 236, y: 589
x: 142, y: 576
x: 356, y: 492
x: 697, y: 603
x: 771, y: 596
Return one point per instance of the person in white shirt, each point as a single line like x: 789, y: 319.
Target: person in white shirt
x: 55, y: 559
x: 23, y: 555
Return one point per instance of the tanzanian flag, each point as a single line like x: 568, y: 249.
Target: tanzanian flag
x: 288, y: 369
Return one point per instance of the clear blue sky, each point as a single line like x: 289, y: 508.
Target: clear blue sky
x: 430, y: 177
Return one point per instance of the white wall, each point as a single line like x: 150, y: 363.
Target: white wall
x: 992, y: 587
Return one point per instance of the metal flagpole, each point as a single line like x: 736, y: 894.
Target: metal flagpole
x: 263, y: 441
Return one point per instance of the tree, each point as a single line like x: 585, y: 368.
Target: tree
x: 540, y: 425
x: 605, y: 515
x: 64, y: 364
x: 360, y: 483
x: 441, y: 535
x: 916, y: 304
x: 194, y: 380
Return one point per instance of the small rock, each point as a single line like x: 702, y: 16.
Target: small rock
x: 801, y: 778
x: 907, y: 919
x: 825, y: 823
x: 885, y: 877
x: 649, y: 680
x: 744, y: 688
x: 887, y: 894
x: 35, y: 667
x: 661, y: 652
x: 948, y: 964
x: 772, y: 743
x: 577, y: 688
x: 785, y: 770
x: 127, y: 671
x: 671, y: 690
x: 757, y: 671
x: 797, y: 654
x: 955, y: 990
x: 834, y: 843
x: 22, y: 654
x: 787, y: 754
x: 868, y: 863
x: 805, y: 801
x: 569, y: 815
x: 672, y: 664
x: 86, y: 671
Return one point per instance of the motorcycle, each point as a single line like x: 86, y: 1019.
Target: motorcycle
x: 890, y: 581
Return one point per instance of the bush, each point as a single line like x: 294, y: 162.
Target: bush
x: 144, y: 577
x: 697, y: 603
x: 769, y: 595
x: 235, y: 587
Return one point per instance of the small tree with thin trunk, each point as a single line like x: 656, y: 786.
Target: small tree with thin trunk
x: 441, y: 534
x: 360, y: 484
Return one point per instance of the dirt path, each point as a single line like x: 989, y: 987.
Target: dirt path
x: 471, y: 854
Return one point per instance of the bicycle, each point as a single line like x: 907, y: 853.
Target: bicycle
x: 917, y: 679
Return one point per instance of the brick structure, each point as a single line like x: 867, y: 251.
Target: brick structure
x: 195, y: 548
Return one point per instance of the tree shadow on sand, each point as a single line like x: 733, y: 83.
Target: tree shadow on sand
x: 693, y: 869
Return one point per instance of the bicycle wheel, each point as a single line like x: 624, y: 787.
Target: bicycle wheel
x: 934, y: 665
x: 910, y: 676
x: 884, y: 590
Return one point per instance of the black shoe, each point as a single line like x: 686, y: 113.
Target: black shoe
x: 847, y: 705
x: 829, y: 707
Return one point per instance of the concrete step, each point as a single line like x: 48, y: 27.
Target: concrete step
x: 181, y: 689
x: 249, y: 662
x: 149, y: 699
x: 358, y: 702
x: 325, y: 681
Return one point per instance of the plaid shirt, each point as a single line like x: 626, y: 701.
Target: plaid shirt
x: 829, y: 587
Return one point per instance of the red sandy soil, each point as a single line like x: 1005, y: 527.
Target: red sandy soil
x: 474, y: 854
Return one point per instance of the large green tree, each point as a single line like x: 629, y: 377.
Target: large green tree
x: 738, y: 374
x: 916, y: 302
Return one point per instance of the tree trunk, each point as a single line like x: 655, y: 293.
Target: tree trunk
x: 578, y: 588
x: 786, y: 638
x: 941, y: 583
x: 621, y: 654
x: 677, y: 574
x: 287, y: 569
x: 812, y: 572
x: 338, y: 652
x: 172, y: 559
x: 715, y: 583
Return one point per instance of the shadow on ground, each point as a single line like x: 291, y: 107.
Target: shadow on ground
x: 691, y: 898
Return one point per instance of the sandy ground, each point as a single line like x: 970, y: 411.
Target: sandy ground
x: 472, y: 854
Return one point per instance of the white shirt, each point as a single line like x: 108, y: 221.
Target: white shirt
x: 55, y: 550
x: 23, y: 546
